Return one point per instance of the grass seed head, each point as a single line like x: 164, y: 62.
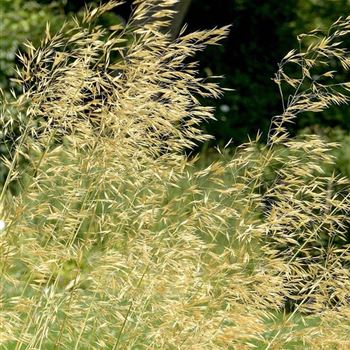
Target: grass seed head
x: 117, y: 240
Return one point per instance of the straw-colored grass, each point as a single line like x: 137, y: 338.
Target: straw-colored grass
x: 116, y: 240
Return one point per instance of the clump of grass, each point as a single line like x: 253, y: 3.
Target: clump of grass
x: 117, y: 241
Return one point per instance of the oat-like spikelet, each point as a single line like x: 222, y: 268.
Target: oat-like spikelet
x: 117, y: 240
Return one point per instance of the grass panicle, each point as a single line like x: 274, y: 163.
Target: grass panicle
x: 115, y: 239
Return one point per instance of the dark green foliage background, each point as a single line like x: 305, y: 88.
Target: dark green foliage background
x: 262, y: 33
x: 259, y: 37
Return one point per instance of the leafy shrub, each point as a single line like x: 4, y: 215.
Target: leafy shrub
x: 116, y: 241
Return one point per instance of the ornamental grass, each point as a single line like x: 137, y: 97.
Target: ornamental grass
x: 112, y: 236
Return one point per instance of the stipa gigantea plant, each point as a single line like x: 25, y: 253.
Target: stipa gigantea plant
x: 117, y: 241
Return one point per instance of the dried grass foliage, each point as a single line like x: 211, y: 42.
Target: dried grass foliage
x: 117, y: 240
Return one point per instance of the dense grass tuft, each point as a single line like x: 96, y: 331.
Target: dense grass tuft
x: 115, y: 238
